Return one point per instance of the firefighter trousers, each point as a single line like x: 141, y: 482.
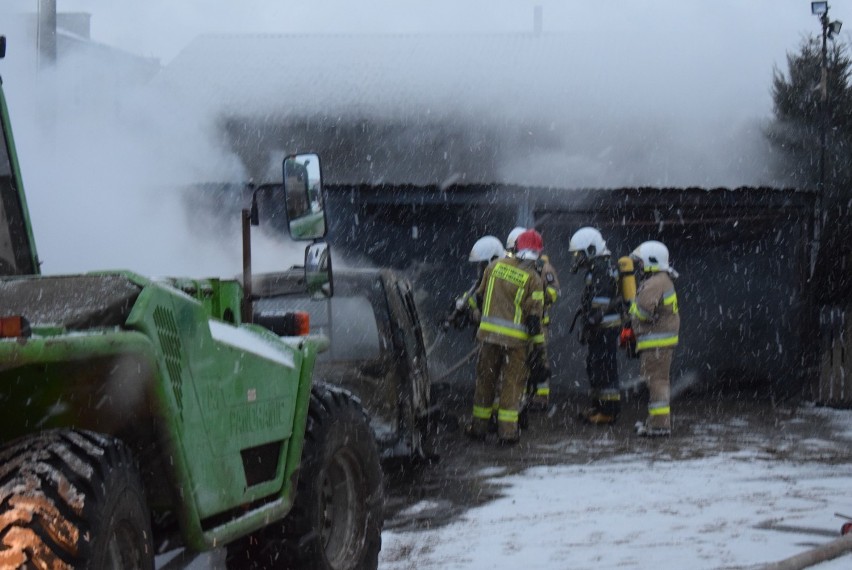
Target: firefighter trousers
x: 602, y: 369
x: 655, y: 366
x: 504, y: 369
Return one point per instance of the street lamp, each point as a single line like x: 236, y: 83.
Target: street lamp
x: 834, y: 28
x: 829, y: 30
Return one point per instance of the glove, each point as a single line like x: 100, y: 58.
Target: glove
x: 627, y: 341
x: 445, y: 325
x: 533, y: 325
x: 539, y: 368
x: 626, y: 337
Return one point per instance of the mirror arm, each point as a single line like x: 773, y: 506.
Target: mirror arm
x: 250, y: 217
x: 247, y: 308
x: 254, y: 217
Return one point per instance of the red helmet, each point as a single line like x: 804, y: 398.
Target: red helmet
x: 531, y: 240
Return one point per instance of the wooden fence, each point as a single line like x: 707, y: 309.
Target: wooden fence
x: 834, y: 385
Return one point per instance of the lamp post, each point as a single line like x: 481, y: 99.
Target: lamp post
x: 829, y: 30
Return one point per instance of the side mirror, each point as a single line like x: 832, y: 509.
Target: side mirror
x: 304, y: 197
x: 318, y: 280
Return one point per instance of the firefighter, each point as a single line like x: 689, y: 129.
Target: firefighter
x: 540, y: 378
x: 511, y: 300
x: 512, y: 238
x: 539, y: 371
x: 485, y: 250
x: 600, y: 315
x: 656, y: 323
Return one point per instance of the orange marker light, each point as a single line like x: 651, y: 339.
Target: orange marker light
x: 301, y: 323
x: 14, y: 327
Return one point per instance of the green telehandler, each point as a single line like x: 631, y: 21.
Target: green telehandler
x: 138, y: 415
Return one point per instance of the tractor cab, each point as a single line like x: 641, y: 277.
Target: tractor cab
x: 17, y: 247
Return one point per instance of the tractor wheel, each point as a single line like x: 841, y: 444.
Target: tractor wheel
x: 72, y: 499
x: 337, y: 517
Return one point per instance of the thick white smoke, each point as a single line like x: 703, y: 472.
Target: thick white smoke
x: 105, y: 156
x: 652, y: 92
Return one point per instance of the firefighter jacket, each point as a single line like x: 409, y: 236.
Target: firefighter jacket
x: 654, y: 313
x: 511, y: 298
x: 551, y: 287
x: 601, y: 303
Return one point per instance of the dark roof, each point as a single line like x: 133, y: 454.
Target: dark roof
x: 425, y: 108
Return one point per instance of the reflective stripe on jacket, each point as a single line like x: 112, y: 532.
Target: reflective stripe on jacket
x: 600, y: 293
x: 511, y: 290
x: 654, y: 313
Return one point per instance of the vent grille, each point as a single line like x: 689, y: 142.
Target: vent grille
x: 261, y: 462
x: 167, y: 332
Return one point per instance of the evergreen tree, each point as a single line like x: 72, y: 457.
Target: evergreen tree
x: 796, y: 131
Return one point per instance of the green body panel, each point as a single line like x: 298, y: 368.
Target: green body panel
x: 223, y: 396
x: 220, y: 298
x: 189, y: 392
x: 91, y: 380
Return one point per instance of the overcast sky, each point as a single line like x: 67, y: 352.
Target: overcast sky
x: 763, y: 29
x: 738, y: 41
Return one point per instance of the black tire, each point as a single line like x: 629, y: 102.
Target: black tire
x: 337, y: 517
x: 72, y: 499
x: 426, y: 450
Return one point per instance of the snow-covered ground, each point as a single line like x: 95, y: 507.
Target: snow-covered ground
x: 770, y: 499
x: 731, y: 510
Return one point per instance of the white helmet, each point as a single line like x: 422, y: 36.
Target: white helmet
x: 513, y: 237
x: 588, y: 241
x: 654, y: 256
x: 486, y: 248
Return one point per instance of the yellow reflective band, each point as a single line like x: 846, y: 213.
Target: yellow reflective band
x: 638, y: 312
x: 554, y: 294
x: 610, y: 397
x: 518, y: 311
x: 471, y: 302
x: 671, y: 299
x: 507, y: 416
x: 659, y: 411
x: 486, y: 306
x: 505, y: 331
x: 538, y: 295
x: 481, y: 413
x: 546, y: 320
x: 656, y: 341
x: 544, y: 391
x: 538, y: 339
